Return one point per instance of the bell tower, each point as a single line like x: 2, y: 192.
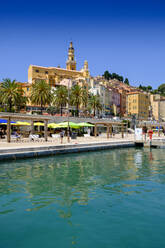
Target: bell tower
x: 71, y: 63
x: 85, y: 69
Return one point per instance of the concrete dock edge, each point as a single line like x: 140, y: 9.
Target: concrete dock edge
x: 22, y: 153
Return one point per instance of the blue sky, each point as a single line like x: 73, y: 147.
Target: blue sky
x: 122, y: 36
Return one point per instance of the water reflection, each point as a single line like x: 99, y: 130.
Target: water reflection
x: 64, y: 181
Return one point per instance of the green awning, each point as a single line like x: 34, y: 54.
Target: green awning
x: 85, y: 124
x: 65, y: 125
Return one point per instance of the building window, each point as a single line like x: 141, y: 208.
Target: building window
x: 37, y: 71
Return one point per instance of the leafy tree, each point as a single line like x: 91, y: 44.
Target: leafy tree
x: 154, y: 92
x: 11, y: 94
x: 76, y: 97
x: 126, y: 81
x: 116, y: 76
x: 41, y: 93
x: 121, y: 78
x: 149, y: 88
x: 161, y: 89
x: 142, y: 87
x: 107, y: 75
x: 60, y: 98
x: 145, y: 88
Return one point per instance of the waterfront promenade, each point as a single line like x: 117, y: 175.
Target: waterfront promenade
x: 24, y: 142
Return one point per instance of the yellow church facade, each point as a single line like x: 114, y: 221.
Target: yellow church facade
x: 56, y: 76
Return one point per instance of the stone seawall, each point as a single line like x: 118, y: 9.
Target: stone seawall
x: 21, y: 153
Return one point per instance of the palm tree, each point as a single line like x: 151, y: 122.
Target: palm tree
x: 99, y: 106
x: 76, y: 97
x: 94, y: 103
x: 41, y: 93
x: 11, y: 94
x: 60, y: 97
x: 21, y: 101
x: 85, y: 98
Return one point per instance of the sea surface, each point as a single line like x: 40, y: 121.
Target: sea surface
x: 113, y: 198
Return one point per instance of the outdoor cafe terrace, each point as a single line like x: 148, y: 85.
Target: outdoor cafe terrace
x: 46, y: 120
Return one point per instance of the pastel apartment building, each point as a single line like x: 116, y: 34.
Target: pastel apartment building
x: 138, y: 104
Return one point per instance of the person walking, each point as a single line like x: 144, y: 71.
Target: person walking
x: 150, y: 133
x: 61, y: 136
x: 145, y: 132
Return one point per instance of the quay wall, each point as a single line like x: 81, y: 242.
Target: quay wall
x: 34, y: 152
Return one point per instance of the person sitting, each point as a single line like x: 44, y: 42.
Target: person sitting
x: 15, y: 135
x: 33, y: 137
x: 1, y: 133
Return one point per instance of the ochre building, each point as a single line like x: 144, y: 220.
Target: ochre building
x: 138, y: 104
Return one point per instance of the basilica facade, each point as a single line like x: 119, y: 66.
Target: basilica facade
x: 56, y: 76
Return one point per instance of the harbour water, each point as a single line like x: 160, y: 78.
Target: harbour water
x: 113, y: 198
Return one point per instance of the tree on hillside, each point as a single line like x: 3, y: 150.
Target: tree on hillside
x: 41, y: 93
x: 60, y: 98
x: 142, y: 87
x: 116, y: 76
x: 145, y: 88
x: 155, y: 91
x: 149, y: 87
x: 107, y: 75
x: 126, y: 81
x: 11, y: 94
x: 161, y: 89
